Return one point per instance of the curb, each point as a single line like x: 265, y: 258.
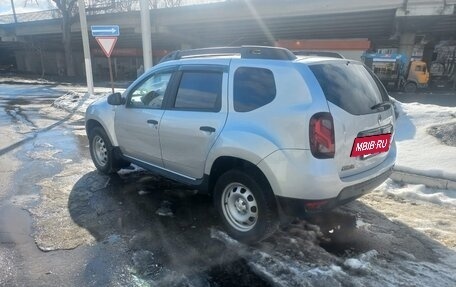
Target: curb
x: 433, y: 182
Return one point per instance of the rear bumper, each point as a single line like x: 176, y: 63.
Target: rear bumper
x: 297, y: 174
x: 301, y: 207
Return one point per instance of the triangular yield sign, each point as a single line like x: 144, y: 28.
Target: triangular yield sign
x: 107, y: 44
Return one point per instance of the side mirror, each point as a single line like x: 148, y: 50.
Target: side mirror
x: 115, y: 99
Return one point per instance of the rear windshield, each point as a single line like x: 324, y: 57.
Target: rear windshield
x: 350, y: 86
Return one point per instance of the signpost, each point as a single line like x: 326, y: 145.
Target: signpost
x: 85, y: 45
x: 106, y: 36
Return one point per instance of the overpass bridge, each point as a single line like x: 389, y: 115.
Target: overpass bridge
x: 387, y: 23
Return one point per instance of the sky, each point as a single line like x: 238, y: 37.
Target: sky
x: 32, y: 5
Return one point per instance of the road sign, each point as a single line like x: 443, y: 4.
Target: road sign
x: 107, y: 44
x: 105, y: 30
x: 106, y: 36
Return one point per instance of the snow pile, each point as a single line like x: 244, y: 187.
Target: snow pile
x: 445, y: 133
x: 75, y: 102
x: 418, y: 192
x: 418, y: 151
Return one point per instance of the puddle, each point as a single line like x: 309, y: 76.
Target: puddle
x: 15, y: 226
x: 16, y: 229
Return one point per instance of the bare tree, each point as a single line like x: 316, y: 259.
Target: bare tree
x: 110, y: 6
x: 172, y: 3
x: 68, y: 10
x: 165, y: 3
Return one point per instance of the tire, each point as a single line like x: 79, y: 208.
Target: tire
x: 410, y: 88
x: 102, y: 152
x: 251, y: 214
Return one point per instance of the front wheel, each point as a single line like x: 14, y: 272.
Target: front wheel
x: 246, y: 206
x: 102, y: 153
x: 410, y: 88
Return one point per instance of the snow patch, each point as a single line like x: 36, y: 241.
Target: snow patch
x: 418, y: 192
x: 131, y: 169
x: 412, y: 138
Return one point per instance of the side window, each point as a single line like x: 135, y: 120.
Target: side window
x: 150, y: 93
x: 199, y: 91
x: 253, y: 88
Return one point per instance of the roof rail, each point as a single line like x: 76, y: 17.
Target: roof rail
x: 246, y: 52
x: 329, y: 54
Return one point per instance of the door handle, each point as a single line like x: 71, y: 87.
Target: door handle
x: 154, y: 122
x: 207, y: 129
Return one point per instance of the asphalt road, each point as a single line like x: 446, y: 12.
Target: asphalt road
x: 64, y: 224
x: 439, y: 98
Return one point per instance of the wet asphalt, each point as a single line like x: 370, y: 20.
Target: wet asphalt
x: 140, y: 223
x: 444, y: 98
x: 64, y: 224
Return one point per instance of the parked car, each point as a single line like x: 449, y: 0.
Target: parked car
x: 266, y: 134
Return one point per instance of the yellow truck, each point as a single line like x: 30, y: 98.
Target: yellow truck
x: 396, y: 73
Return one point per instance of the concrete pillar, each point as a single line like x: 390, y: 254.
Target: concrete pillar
x: 146, y: 34
x: 185, y: 46
x: 406, y: 44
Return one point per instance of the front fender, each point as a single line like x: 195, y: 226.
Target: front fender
x: 103, y: 113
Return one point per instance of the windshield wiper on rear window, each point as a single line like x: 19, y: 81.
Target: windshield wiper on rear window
x: 380, y: 105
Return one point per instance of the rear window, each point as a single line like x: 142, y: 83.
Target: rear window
x: 349, y: 86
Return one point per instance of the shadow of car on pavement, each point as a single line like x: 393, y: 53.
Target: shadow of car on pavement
x: 173, y: 224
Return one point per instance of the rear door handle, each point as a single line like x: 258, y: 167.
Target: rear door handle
x: 154, y: 122
x: 207, y: 129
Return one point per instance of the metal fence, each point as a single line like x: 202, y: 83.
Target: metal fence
x: 31, y: 16
x: 115, y: 6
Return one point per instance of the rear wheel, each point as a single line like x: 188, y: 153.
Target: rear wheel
x: 246, y: 206
x: 410, y: 88
x: 102, y: 153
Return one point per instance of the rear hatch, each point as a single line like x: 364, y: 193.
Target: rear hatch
x: 359, y: 106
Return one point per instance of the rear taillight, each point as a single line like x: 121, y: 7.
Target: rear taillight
x: 321, y: 135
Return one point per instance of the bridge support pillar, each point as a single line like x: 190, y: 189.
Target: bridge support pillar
x: 406, y: 44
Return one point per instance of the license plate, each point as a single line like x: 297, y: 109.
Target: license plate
x: 363, y: 146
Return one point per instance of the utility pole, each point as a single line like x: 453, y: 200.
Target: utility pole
x: 14, y: 11
x: 85, y: 44
x: 146, y: 34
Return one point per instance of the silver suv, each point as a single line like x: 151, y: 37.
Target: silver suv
x: 264, y: 132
